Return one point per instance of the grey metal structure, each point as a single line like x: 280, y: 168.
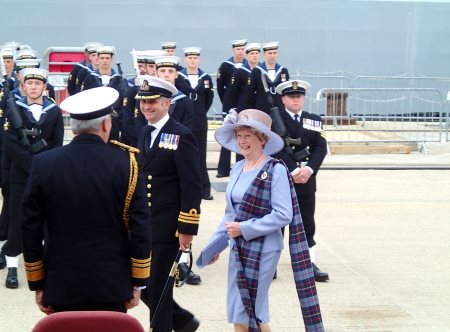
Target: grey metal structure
x: 362, y: 37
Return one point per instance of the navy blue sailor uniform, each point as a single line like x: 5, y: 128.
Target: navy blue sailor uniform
x: 225, y: 76
x: 236, y: 94
x: 309, y: 130
x: 182, y: 110
x: 50, y: 127
x: 81, y: 77
x: 131, y: 117
x: 224, y: 73
x: 172, y: 174
x: 256, y: 93
x: 72, y: 82
x: 105, y: 255
x: 202, y: 97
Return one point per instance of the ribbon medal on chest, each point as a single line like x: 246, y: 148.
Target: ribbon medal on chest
x: 169, y: 141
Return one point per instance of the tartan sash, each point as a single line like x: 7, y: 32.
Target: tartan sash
x: 255, y: 204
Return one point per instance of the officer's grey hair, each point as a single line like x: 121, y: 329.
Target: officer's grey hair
x: 86, y: 126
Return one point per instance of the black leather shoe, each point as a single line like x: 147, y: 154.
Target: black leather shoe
x: 319, y: 276
x: 2, y: 261
x: 192, y: 278
x: 11, y: 278
x: 208, y: 197
x: 219, y: 176
x: 191, y: 326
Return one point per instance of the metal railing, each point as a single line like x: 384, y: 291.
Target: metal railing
x: 363, y: 114
x: 381, y: 114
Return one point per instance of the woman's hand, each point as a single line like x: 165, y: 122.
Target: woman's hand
x: 233, y: 229
x: 214, y: 259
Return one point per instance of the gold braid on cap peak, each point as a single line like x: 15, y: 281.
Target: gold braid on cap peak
x: 132, y: 181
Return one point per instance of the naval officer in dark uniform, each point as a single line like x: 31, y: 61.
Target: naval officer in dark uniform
x: 91, y: 196
x: 305, y: 159
x: 169, y: 160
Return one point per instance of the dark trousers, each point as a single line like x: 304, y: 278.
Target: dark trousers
x: 107, y: 306
x: 201, y: 137
x: 307, y: 204
x: 171, y: 316
x: 4, y: 218
x: 13, y: 244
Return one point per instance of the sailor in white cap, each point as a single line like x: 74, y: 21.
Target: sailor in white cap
x: 181, y: 107
x: 169, y: 48
x: 26, y: 54
x: 227, y: 67
x: 89, y: 67
x: 236, y: 97
x: 90, y: 54
x: 7, y: 55
x: 19, y: 88
x: 105, y: 75
x: 99, y: 257
x: 34, y: 125
x: 7, y: 81
x: 224, y: 73
x: 169, y: 159
x: 304, y: 159
x: 198, y: 86
x: 264, y: 79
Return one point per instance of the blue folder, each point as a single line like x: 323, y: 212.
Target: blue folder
x: 218, y: 245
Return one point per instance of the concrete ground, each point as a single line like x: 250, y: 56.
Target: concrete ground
x: 382, y: 236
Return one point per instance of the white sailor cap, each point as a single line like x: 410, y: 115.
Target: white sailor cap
x: 90, y: 46
x: 293, y: 87
x: 26, y: 54
x: 104, y: 49
x: 152, y: 55
x: 13, y: 45
x: 167, y: 61
x: 253, y: 47
x: 92, y: 49
x: 153, y: 87
x: 148, y: 56
x: 90, y: 104
x: 34, y: 73
x: 191, y: 51
x: 7, y: 53
x: 168, y: 45
x: 238, y: 43
x: 28, y: 63
x: 269, y: 46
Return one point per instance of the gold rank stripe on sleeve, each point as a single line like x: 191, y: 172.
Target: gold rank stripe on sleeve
x: 191, y: 217
x: 140, y: 268
x: 35, y: 270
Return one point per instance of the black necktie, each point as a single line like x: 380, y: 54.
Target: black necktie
x: 296, y: 117
x: 148, y: 136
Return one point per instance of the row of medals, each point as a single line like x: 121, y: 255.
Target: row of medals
x: 169, y: 141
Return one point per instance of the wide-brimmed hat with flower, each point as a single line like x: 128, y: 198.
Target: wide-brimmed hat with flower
x: 226, y: 135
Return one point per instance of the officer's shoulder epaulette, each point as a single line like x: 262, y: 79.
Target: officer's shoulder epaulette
x: 124, y: 146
